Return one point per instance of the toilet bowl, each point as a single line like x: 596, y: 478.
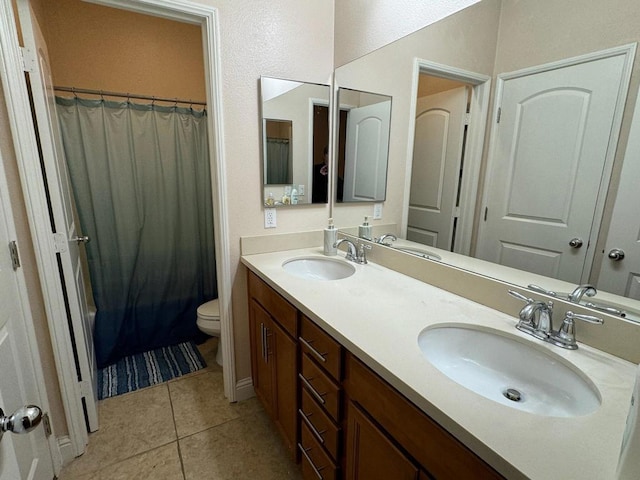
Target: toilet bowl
x: 208, y: 321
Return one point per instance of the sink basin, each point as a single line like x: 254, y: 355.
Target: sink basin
x: 319, y: 268
x: 420, y: 252
x: 510, y: 371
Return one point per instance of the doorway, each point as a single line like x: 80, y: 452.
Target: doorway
x: 38, y: 213
x: 449, y: 115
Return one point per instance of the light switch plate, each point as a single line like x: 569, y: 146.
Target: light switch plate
x: 269, y: 218
x: 300, y: 189
x: 377, y: 211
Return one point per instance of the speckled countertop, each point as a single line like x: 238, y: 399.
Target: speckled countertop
x: 378, y: 313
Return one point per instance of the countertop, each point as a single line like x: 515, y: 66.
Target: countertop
x: 378, y: 313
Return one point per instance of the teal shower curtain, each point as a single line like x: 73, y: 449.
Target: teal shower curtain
x: 141, y: 181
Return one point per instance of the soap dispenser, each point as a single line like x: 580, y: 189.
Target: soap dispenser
x: 330, y: 238
x: 364, y: 230
x: 294, y: 195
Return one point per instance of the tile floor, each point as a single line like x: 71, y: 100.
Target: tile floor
x: 183, y: 430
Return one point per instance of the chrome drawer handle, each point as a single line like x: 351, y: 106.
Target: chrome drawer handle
x: 319, y: 355
x: 313, y: 429
x: 312, y: 390
x: 316, y: 470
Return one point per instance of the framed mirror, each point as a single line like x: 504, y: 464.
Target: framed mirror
x: 363, y: 146
x: 295, y: 139
x: 500, y: 38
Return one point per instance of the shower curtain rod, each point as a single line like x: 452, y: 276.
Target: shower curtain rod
x: 102, y: 93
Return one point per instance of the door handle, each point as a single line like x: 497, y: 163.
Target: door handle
x: 575, y: 242
x: 616, y: 254
x: 23, y: 420
x: 81, y: 239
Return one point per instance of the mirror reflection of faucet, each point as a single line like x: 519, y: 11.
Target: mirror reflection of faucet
x: 577, y: 296
x: 357, y: 254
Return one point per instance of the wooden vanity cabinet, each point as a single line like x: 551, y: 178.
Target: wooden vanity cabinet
x: 338, y: 417
x: 321, y: 408
x: 386, y: 428
x: 273, y: 324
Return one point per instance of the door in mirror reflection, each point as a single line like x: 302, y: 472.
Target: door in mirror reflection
x: 548, y: 160
x: 277, y: 150
x: 436, y: 167
x: 363, y: 152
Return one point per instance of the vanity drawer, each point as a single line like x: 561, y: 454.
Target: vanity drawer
x: 316, y: 464
x: 320, y: 386
x: 285, y: 313
x: 321, y: 347
x: 319, y: 424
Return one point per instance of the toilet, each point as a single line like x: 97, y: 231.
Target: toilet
x: 208, y: 321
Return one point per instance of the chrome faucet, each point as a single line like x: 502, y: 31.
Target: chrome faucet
x: 582, y: 290
x: 536, y: 320
x: 352, y: 253
x: 357, y: 254
x: 381, y: 239
x: 535, y: 316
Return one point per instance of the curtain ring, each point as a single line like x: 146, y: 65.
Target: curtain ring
x: 75, y: 95
x: 101, y: 96
x: 175, y: 102
x: 153, y: 101
x: 128, y: 97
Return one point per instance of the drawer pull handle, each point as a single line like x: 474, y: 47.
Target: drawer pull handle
x: 316, y: 470
x: 313, y: 429
x: 312, y: 390
x: 307, y: 344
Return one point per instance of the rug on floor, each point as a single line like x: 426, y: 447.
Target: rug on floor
x: 149, y: 368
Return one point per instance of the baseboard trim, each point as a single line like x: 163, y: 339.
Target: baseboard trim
x: 244, y: 389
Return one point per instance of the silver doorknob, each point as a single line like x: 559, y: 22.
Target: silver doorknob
x: 575, y: 242
x: 23, y: 420
x: 616, y: 255
x: 82, y: 239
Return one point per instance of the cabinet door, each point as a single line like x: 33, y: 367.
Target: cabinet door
x: 259, y: 323
x: 370, y: 454
x: 283, y: 350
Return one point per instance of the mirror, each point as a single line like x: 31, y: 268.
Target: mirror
x: 489, y: 38
x: 363, y: 146
x: 295, y: 139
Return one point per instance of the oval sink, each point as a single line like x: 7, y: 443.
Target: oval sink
x: 318, y: 268
x: 420, y: 252
x: 509, y: 371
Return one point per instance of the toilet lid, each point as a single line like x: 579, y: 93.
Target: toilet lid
x: 209, y: 309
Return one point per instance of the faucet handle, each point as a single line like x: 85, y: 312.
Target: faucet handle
x: 539, y: 289
x: 362, y: 252
x: 520, y: 296
x: 566, y: 336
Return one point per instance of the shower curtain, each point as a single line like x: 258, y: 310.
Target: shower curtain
x: 278, y: 164
x: 141, y: 181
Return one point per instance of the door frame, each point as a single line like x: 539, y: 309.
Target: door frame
x: 481, y: 88
x: 32, y: 181
x: 628, y: 51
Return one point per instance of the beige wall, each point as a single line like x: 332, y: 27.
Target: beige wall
x: 100, y: 48
x: 362, y: 26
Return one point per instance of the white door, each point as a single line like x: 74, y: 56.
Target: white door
x: 620, y: 274
x: 435, y: 171
x: 24, y: 456
x: 551, y: 146
x: 66, y: 233
x: 366, y: 153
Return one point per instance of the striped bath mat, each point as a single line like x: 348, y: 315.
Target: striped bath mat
x: 148, y: 368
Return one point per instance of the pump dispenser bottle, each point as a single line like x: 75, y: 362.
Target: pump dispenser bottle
x: 330, y: 238
x: 364, y: 230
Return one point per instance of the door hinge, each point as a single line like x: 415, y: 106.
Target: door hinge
x: 499, y: 115
x: 15, y: 255
x: 456, y: 212
x: 46, y: 422
x: 85, y: 388
x: 28, y: 60
x: 60, y: 242
x: 467, y: 118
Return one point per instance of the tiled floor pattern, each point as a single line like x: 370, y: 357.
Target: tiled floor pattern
x: 183, y: 430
